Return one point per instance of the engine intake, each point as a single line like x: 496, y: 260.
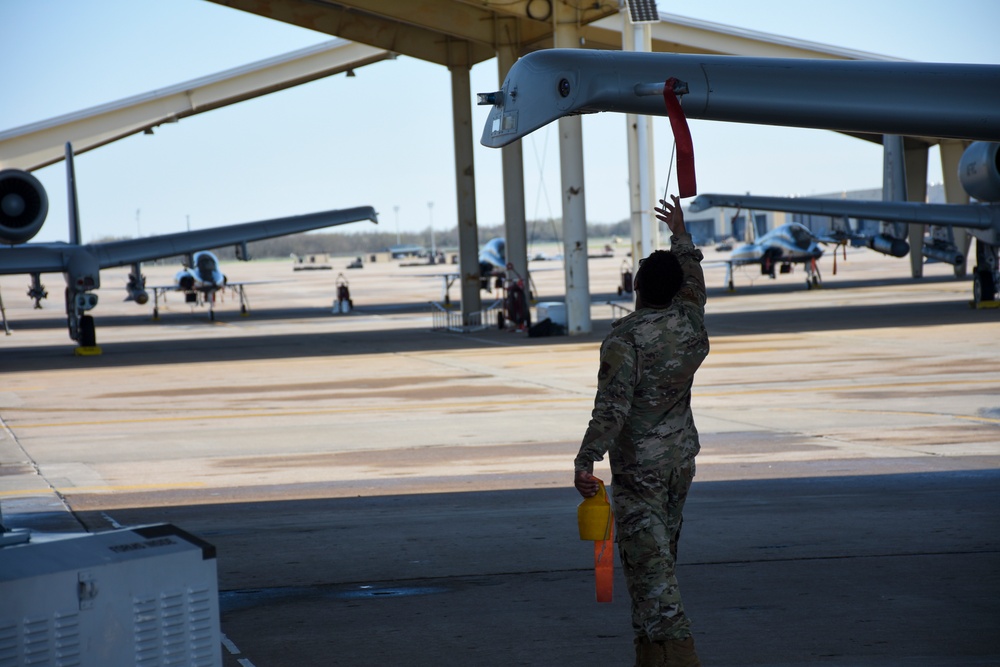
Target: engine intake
x: 23, y: 206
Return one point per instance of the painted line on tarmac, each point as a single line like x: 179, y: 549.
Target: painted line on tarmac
x: 420, y: 407
x: 234, y: 650
x: 790, y: 387
x: 307, y: 413
x: 907, y: 413
x: 65, y: 490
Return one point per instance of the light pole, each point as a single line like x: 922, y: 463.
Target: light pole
x: 396, y: 209
x: 430, y: 211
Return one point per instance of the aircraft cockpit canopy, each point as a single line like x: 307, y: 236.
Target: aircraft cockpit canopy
x: 801, y: 236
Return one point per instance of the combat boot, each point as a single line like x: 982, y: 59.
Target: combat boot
x: 680, y: 653
x: 648, y: 653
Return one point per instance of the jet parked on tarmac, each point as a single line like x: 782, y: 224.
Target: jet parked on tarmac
x: 979, y: 174
x: 23, y: 208
x: 856, y: 97
x: 781, y: 247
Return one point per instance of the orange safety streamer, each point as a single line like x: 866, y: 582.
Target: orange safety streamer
x: 686, y: 183
x: 604, y: 566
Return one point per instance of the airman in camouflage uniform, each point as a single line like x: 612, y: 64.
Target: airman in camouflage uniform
x: 642, y: 419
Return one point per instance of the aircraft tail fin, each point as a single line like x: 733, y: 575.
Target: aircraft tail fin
x: 75, y: 237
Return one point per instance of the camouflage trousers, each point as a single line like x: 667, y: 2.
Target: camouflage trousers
x: 648, y: 520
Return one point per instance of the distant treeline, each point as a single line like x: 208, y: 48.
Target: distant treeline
x: 358, y: 243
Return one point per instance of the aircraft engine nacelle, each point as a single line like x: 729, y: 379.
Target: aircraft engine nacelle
x: 23, y: 206
x: 979, y: 171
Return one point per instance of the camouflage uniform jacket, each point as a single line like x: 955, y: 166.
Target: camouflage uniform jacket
x: 642, y: 412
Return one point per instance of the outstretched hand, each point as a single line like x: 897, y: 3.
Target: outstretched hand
x: 672, y: 215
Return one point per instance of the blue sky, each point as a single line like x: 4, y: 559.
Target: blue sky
x: 384, y: 138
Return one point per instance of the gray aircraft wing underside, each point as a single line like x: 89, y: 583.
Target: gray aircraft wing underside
x: 960, y: 101
x: 36, y: 258
x: 58, y: 257
x: 120, y: 253
x: 972, y: 216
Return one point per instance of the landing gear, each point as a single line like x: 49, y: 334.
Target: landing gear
x: 244, y: 302
x: 81, y: 326
x: 88, y: 333
x: 986, y: 274
x: 813, y: 277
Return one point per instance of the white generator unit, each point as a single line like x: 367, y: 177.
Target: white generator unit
x: 551, y: 310
x: 136, y: 596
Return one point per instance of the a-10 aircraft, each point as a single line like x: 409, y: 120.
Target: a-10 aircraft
x: 956, y: 101
x: 23, y: 208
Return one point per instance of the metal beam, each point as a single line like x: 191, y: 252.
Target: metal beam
x: 465, y: 188
x: 954, y: 193
x: 40, y: 144
x: 512, y: 160
x: 573, y: 202
x: 361, y: 26
x: 915, y: 158
x: 680, y: 34
x: 470, y: 21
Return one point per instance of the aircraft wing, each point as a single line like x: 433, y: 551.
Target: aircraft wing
x: 905, y: 98
x: 972, y: 216
x: 35, y: 258
x: 121, y: 253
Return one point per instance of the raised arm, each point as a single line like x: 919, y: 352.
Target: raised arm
x: 693, y: 288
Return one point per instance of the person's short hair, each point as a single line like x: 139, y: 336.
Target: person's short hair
x: 659, y: 278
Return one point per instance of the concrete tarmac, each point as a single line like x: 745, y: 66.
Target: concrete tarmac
x: 384, y: 494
